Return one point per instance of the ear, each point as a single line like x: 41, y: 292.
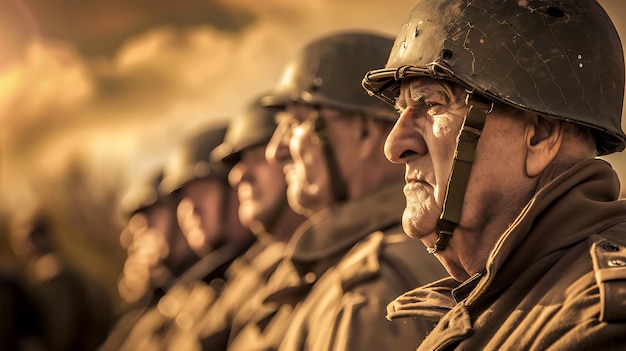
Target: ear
x: 543, y: 141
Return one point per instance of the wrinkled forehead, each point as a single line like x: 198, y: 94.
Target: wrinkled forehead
x: 415, y: 86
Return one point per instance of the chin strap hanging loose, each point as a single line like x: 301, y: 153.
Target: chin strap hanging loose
x: 477, y: 110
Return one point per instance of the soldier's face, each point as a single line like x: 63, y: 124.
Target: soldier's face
x: 149, y: 235
x: 424, y: 139
x: 296, y: 148
x: 199, y: 212
x: 260, y: 187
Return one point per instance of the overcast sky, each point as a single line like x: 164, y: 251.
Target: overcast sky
x: 115, y: 83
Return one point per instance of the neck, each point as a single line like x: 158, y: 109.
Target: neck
x: 286, y: 224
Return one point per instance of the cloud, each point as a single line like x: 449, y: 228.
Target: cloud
x: 121, y: 115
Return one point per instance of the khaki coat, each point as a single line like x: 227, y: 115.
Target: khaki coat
x: 556, y: 279
x: 344, y: 267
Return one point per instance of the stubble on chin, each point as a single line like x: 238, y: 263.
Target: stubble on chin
x: 418, y: 219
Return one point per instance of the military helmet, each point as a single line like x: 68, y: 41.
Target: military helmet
x: 328, y: 71
x: 191, y: 160
x: 561, y: 59
x: 253, y: 127
x: 141, y: 194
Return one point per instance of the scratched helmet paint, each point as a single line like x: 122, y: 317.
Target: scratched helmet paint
x: 561, y: 59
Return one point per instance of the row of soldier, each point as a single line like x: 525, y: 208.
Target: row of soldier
x: 301, y: 224
x: 286, y: 219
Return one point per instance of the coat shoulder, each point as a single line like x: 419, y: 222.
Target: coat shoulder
x: 405, y: 256
x: 608, y: 254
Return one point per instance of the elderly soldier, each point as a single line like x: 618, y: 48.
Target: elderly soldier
x: 263, y: 208
x: 207, y: 207
x: 351, y: 258
x: 207, y: 212
x: 504, y: 106
x: 157, y: 252
x: 74, y: 311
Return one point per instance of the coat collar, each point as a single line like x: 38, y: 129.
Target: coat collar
x: 336, y: 230
x: 550, y: 223
x: 547, y: 225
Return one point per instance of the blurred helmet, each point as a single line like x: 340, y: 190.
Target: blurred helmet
x: 141, y: 194
x: 561, y: 59
x: 191, y: 160
x: 253, y: 127
x: 328, y: 72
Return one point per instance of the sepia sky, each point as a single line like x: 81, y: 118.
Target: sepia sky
x: 114, y: 84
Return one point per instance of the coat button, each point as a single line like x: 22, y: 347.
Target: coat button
x: 310, y: 277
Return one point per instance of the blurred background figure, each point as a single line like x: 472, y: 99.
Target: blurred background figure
x: 263, y: 208
x: 20, y: 322
x: 206, y: 212
x: 207, y: 205
x: 157, y: 252
x: 75, y: 311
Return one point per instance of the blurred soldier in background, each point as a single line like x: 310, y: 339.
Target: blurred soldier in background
x: 157, y: 252
x: 20, y: 320
x: 207, y: 205
x: 207, y: 215
x: 75, y: 312
x: 351, y: 258
x: 263, y: 208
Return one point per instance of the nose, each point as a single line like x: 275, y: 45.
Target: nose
x: 277, y: 150
x: 236, y: 174
x: 404, y: 140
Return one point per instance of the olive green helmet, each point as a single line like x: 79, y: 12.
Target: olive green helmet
x: 561, y: 59
x: 328, y: 72
x: 191, y: 160
x: 253, y: 127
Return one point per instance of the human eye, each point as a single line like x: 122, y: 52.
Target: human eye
x: 434, y: 103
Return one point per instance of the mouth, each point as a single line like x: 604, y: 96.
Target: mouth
x: 410, y: 180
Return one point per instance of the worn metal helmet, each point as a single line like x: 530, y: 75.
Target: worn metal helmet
x: 329, y: 70
x: 561, y: 59
x: 253, y: 127
x: 191, y: 160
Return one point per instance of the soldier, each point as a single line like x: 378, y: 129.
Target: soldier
x: 74, y: 311
x: 207, y: 206
x: 350, y: 258
x: 157, y: 252
x: 504, y: 107
x: 263, y: 208
x: 207, y: 215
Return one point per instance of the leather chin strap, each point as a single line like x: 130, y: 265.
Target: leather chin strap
x: 338, y: 186
x: 477, y: 110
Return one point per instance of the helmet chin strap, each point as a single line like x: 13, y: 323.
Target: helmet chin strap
x: 338, y: 185
x: 477, y: 110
